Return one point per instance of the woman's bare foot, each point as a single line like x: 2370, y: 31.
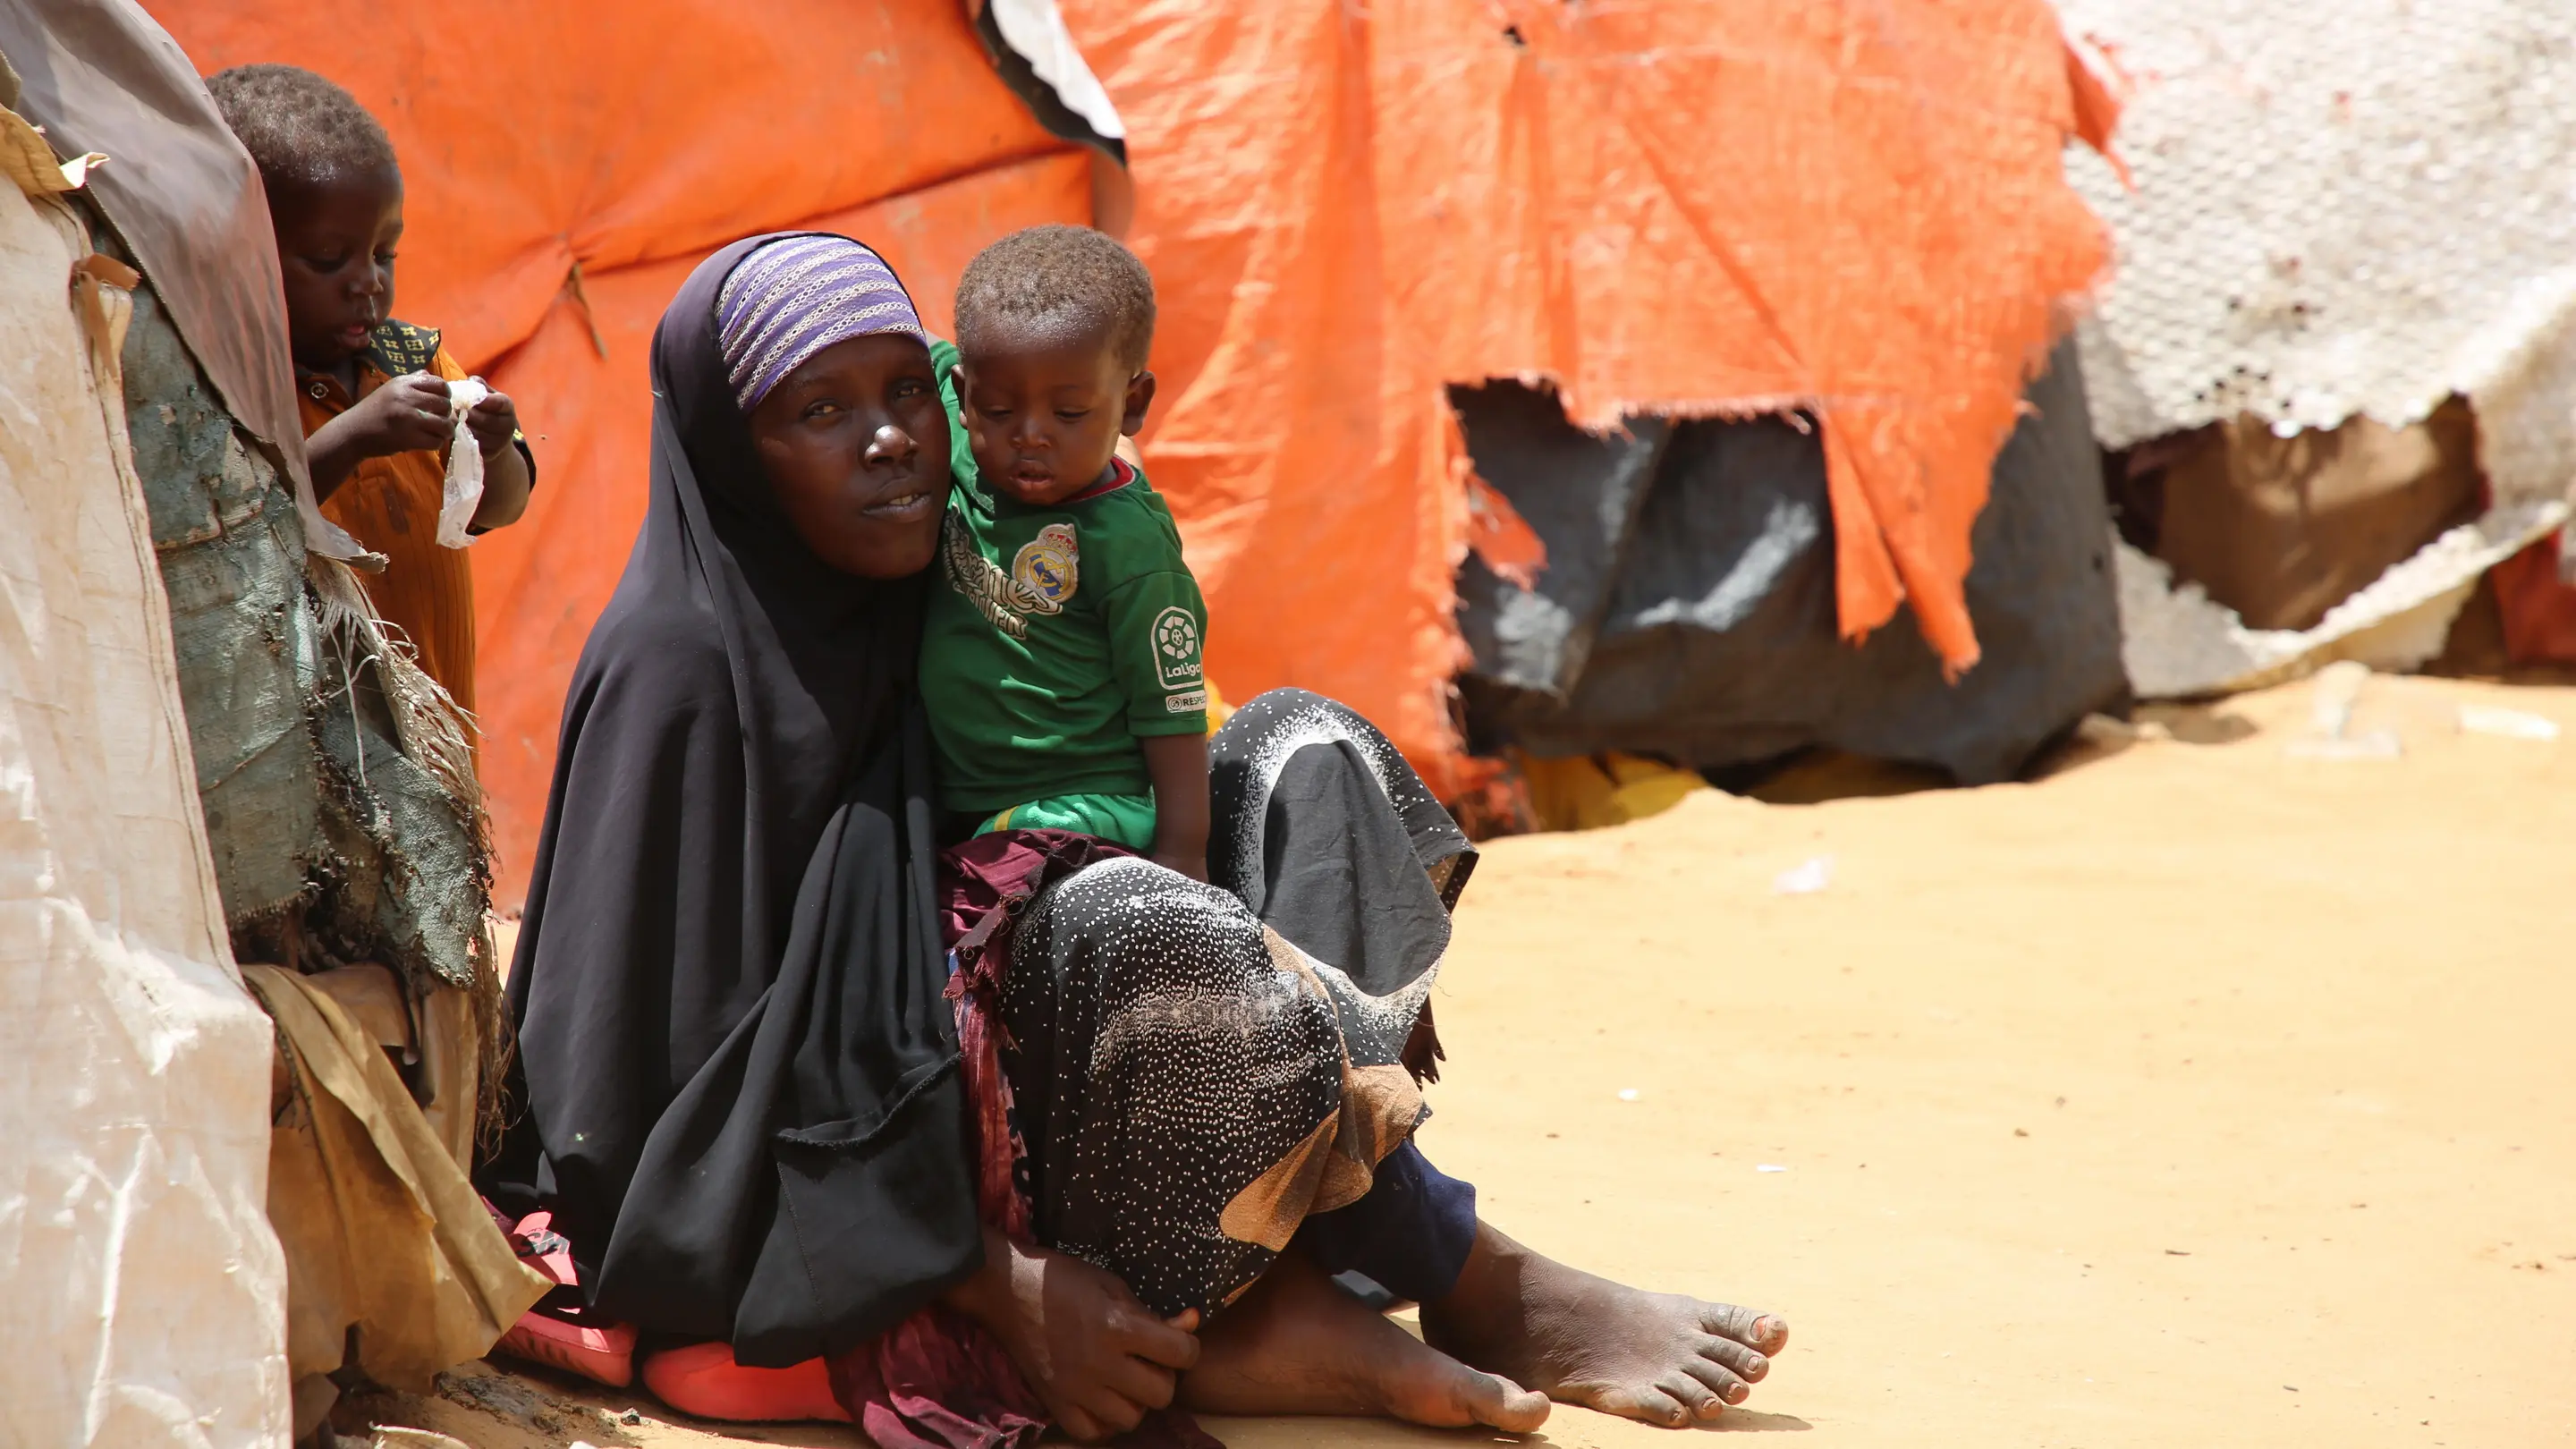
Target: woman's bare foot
x: 1297, y: 1344
x: 1659, y: 1357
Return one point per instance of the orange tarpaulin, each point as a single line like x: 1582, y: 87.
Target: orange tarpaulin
x: 1682, y: 206
x: 1696, y: 206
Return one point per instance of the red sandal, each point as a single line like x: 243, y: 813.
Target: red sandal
x: 562, y: 1338
x: 704, y: 1382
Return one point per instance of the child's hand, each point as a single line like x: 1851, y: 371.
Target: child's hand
x: 494, y: 421
x: 404, y: 415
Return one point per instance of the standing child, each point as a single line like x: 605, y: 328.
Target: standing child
x: 1061, y: 661
x: 374, y: 391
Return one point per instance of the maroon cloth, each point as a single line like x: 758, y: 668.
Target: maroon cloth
x: 1003, y: 871
x: 984, y: 884
x: 938, y: 1380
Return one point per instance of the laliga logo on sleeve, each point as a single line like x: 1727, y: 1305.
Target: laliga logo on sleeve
x: 1176, y: 659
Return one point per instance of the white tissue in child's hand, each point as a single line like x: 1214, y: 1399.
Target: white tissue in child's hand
x: 464, y: 467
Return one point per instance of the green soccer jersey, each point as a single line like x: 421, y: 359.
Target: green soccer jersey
x: 1055, y: 637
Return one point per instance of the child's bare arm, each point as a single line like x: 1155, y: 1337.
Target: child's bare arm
x: 1178, y: 766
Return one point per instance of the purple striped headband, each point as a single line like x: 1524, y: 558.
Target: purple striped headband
x: 794, y: 297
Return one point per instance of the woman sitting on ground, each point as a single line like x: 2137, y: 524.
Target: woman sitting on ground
x: 741, y: 1086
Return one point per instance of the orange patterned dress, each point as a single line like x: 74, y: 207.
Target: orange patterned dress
x: 391, y: 505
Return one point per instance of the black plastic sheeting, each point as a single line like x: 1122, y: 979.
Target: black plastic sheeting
x: 1037, y: 93
x: 1687, y: 609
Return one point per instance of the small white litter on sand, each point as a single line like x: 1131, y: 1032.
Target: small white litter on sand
x: 2511, y: 724
x: 1806, y: 879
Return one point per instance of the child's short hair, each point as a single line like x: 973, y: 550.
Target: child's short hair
x: 1063, y: 274
x: 299, y: 126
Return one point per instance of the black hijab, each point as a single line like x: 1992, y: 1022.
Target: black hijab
x: 736, y: 1080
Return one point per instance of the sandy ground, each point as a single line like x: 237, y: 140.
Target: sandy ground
x: 2199, y: 1094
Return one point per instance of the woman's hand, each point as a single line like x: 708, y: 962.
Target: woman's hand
x: 1099, y: 1358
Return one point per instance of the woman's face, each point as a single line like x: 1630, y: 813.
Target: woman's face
x: 855, y: 444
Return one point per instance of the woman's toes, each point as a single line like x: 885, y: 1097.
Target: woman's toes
x: 1745, y: 1363
x: 1718, y: 1380
x: 1763, y: 1332
x: 1502, y: 1404
x: 1646, y: 1403
x: 1700, y: 1399
x: 1433, y: 1388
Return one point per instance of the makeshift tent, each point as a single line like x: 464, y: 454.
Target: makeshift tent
x: 1345, y: 209
x: 1687, y: 208
x: 335, y: 786
x: 2324, y: 220
x: 1688, y: 606
x: 144, y: 1293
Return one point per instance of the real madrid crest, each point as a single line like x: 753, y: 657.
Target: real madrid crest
x: 1007, y: 600
x: 1048, y: 566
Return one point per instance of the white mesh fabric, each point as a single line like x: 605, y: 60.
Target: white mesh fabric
x: 2352, y: 208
